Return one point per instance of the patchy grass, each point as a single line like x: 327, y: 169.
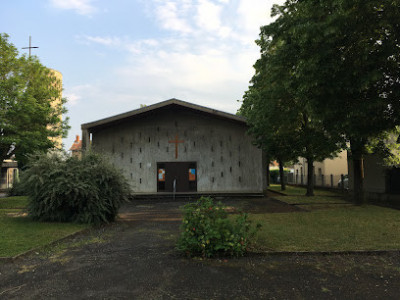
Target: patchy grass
x: 330, y: 224
x: 337, y: 228
x: 13, y: 202
x: 301, y: 191
x: 19, y: 233
x: 311, y: 200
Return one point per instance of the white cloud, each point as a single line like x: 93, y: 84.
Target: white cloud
x: 75, y: 93
x: 72, y: 98
x: 82, y: 7
x: 106, y: 41
x: 169, y: 14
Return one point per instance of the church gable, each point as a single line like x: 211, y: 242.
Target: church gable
x: 183, y: 149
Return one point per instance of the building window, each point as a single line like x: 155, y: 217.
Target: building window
x: 160, y: 177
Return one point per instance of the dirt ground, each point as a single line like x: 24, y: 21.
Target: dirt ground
x: 135, y: 259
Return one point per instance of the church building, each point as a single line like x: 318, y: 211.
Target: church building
x: 175, y: 146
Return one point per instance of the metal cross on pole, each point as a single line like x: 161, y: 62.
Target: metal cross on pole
x: 30, y: 46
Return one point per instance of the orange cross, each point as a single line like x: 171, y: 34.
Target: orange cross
x: 176, y: 142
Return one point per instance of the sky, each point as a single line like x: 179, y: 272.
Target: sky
x: 116, y: 55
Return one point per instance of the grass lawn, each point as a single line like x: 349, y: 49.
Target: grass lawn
x: 330, y: 224
x: 19, y: 233
x: 301, y: 191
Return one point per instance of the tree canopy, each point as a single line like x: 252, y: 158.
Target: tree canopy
x: 339, y: 62
x: 30, y: 104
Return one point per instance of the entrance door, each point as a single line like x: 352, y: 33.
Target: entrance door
x: 181, y: 175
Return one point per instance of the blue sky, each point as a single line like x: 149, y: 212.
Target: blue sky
x: 116, y: 55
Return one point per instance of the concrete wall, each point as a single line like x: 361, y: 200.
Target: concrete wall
x: 226, y: 159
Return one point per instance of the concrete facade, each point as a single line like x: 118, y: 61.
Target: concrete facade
x: 226, y: 161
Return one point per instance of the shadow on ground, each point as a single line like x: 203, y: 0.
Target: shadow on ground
x: 135, y: 259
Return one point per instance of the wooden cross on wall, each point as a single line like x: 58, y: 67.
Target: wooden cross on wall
x: 176, y: 142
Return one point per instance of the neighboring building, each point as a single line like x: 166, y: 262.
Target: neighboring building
x: 326, y: 173
x: 179, y: 146
x: 380, y: 182
x: 76, y: 148
x: 59, y: 77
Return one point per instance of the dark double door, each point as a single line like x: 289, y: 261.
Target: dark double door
x: 181, y: 175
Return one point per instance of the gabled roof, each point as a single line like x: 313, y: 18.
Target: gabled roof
x: 172, y: 102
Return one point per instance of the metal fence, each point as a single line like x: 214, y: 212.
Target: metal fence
x: 322, y: 180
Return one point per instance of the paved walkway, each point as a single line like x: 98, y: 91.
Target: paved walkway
x: 135, y: 259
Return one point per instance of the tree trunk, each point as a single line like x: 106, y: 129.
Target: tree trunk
x: 282, y: 175
x: 268, y: 175
x: 358, y: 178
x: 310, y: 177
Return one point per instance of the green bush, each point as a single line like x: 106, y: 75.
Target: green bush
x: 275, y: 176
x: 207, y: 230
x: 66, y: 189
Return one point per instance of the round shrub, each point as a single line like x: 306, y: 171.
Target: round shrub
x: 66, y: 189
x: 207, y: 230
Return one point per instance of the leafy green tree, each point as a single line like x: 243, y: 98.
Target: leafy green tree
x: 29, y: 114
x: 347, y: 65
x: 282, y: 119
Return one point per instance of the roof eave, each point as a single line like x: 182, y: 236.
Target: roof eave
x: 142, y: 110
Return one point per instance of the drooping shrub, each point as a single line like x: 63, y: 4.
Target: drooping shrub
x: 66, y: 189
x: 207, y: 230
